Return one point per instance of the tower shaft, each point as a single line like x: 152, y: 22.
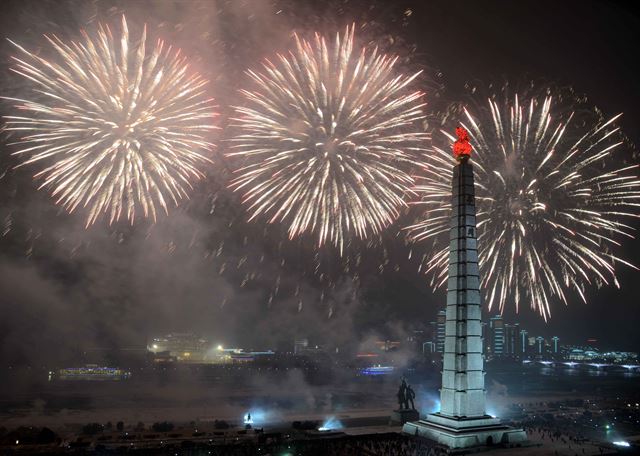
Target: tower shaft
x: 462, y: 393
x: 462, y: 421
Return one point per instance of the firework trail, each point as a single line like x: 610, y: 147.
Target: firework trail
x: 553, y: 193
x: 117, y: 125
x: 328, y: 137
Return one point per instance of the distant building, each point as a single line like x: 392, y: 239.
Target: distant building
x: 540, y: 346
x: 436, y: 332
x: 181, y: 346
x: 555, y: 346
x: 524, y: 342
x: 300, y: 345
x: 240, y: 356
x: 429, y: 348
x: 497, y: 336
x: 512, y: 341
x: 387, y: 345
x: 441, y: 322
x: 577, y: 353
x: 620, y: 357
x: 582, y: 354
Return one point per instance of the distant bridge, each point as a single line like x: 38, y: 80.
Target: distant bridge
x: 588, y: 364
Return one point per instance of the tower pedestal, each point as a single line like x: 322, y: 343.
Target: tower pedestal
x: 465, y: 432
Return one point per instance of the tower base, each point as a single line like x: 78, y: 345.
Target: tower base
x: 465, y: 432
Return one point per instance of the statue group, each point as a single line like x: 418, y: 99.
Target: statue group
x: 406, y: 395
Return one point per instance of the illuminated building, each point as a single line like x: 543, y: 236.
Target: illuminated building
x: 620, y: 357
x: 497, y: 335
x: 181, y: 346
x: 437, y: 331
x: 581, y: 354
x: 590, y: 354
x: 511, y: 341
x: 299, y: 345
x: 387, y: 345
x: 429, y: 347
x: 93, y: 372
x: 441, y: 321
x: 524, y: 342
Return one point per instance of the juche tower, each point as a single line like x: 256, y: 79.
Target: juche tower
x: 462, y: 420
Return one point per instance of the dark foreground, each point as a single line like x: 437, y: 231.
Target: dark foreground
x: 300, y: 439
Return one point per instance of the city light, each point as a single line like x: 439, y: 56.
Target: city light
x: 331, y: 424
x: 255, y: 416
x: 622, y: 443
x: 377, y: 370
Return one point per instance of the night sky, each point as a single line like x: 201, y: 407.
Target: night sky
x: 64, y: 288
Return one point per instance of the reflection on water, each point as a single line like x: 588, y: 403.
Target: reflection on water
x: 572, y: 372
x: 206, y: 391
x: 588, y: 371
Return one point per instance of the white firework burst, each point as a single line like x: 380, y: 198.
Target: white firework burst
x: 554, y: 191
x: 328, y: 136
x: 116, y: 125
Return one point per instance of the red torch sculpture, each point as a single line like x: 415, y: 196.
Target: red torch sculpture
x: 462, y: 148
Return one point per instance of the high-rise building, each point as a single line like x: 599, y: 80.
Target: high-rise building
x: 428, y: 347
x: 496, y: 331
x: 524, y: 342
x: 555, y: 345
x: 300, y: 345
x: 441, y: 321
x: 540, y: 348
x: 511, y: 341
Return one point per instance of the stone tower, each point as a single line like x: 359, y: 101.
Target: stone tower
x: 462, y: 393
x: 462, y: 420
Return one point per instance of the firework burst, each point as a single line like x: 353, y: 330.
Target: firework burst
x: 552, y: 190
x: 118, y: 126
x: 328, y: 137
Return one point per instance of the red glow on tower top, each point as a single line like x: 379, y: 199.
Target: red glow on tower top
x: 462, y: 148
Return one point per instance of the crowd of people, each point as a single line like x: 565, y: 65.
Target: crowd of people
x: 561, y: 442
x: 370, y: 445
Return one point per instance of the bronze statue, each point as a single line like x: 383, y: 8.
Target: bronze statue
x: 402, y: 395
x: 410, y: 396
x: 406, y: 395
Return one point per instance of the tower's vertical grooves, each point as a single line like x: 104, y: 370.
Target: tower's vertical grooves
x: 462, y: 421
x: 462, y: 393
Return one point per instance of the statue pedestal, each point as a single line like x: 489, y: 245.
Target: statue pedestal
x: 401, y: 416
